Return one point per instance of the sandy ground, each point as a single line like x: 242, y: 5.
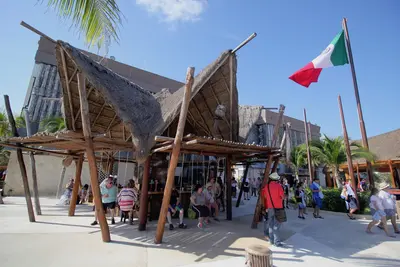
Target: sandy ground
x: 58, y: 240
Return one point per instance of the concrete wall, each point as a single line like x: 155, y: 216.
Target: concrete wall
x: 48, y: 170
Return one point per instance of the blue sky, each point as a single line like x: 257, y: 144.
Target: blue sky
x: 165, y: 37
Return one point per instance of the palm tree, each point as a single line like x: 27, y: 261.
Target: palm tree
x: 4, y: 126
x: 298, y: 159
x: 97, y: 20
x: 52, y: 124
x: 332, y: 153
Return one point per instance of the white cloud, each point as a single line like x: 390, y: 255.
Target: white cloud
x: 175, y: 10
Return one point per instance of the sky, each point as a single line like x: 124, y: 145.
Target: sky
x: 167, y: 36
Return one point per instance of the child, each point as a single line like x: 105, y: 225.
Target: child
x: 377, y: 212
x: 82, y: 194
x: 246, y: 189
x: 300, y: 198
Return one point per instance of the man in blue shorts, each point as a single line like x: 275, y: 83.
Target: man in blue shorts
x: 317, y: 197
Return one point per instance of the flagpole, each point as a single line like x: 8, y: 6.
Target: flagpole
x: 359, y: 109
x: 308, y: 149
x: 348, y: 151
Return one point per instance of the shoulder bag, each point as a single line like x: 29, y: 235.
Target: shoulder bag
x: 280, y: 214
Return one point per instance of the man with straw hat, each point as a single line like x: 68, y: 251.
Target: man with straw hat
x: 273, y: 196
x: 389, y: 205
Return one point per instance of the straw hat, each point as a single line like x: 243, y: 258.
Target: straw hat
x: 274, y: 176
x: 382, y: 186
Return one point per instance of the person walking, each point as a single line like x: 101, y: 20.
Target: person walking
x: 377, y: 212
x: 108, y: 192
x: 234, y: 185
x: 273, y: 202
x: 350, y: 200
x: 389, y: 206
x: 301, y: 200
x: 246, y: 189
x: 317, y: 197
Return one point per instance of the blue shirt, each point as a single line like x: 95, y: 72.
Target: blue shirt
x: 314, y: 187
x: 111, y: 192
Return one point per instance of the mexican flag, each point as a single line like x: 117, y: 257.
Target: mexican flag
x: 334, y: 55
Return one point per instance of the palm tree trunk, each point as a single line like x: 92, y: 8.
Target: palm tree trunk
x: 337, y: 179
x: 61, y: 183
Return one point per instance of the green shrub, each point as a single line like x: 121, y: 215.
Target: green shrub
x: 333, y: 202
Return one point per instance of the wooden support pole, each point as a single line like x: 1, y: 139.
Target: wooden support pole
x: 20, y: 161
x: 231, y: 81
x: 268, y: 165
x: 33, y: 166
x: 275, y: 166
x: 348, y: 150
x: 101, y: 217
x: 358, y: 174
x: 246, y: 170
x: 77, y: 184
x: 228, y: 183
x: 144, y: 194
x: 392, y: 173
x: 174, y: 156
x: 309, y: 160
x: 358, y: 101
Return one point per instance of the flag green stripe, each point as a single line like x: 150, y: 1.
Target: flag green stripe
x: 339, y: 54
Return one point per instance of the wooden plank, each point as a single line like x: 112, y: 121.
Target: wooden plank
x: 98, y: 114
x: 73, y: 74
x: 174, y: 156
x: 71, y: 107
x: 109, y: 126
x: 77, y: 184
x: 20, y: 159
x: 144, y: 194
x: 92, y: 159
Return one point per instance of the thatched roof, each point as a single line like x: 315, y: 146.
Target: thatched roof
x: 124, y: 110
x: 385, y: 146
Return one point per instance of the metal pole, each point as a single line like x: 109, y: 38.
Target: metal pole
x: 251, y: 37
x: 358, y: 101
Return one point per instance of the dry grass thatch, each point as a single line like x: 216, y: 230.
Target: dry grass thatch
x: 124, y: 111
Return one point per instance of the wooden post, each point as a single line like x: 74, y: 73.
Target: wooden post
x: 348, y: 150
x: 246, y: 170
x: 101, y: 217
x: 358, y: 175
x: 33, y: 166
x: 144, y: 194
x: 77, y: 184
x: 275, y: 166
x: 358, y: 101
x: 174, y: 156
x: 231, y: 95
x: 310, y: 168
x: 20, y: 161
x: 228, y: 184
x: 267, y: 170
x: 392, y: 173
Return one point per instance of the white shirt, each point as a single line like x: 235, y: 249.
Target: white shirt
x: 378, y: 203
x: 350, y: 191
x: 387, y: 200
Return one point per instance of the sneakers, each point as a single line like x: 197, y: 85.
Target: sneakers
x: 182, y: 226
x: 171, y: 227
x: 94, y: 223
x: 112, y: 221
x: 301, y: 217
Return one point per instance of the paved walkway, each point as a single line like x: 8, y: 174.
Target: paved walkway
x: 58, y: 240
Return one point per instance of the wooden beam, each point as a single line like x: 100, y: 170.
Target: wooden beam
x: 309, y: 160
x: 109, y: 126
x: 144, y: 194
x: 105, y: 231
x: 174, y: 156
x: 267, y: 169
x: 219, y: 103
x: 202, y: 118
x: 228, y: 183
x: 77, y: 184
x: 358, y: 175
x: 79, y: 112
x: 20, y: 159
x: 98, y: 114
x: 231, y: 95
x: 71, y: 107
x: 392, y: 173
x: 73, y: 74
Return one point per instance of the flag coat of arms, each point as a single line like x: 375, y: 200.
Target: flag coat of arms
x: 334, y: 55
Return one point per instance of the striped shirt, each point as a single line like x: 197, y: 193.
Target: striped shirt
x: 127, y: 198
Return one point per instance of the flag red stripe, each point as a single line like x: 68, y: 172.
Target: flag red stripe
x: 307, y: 75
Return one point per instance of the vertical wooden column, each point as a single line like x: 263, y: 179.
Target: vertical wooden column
x: 20, y: 161
x: 246, y: 170
x: 392, y: 173
x: 144, y: 195
x: 348, y: 150
x: 268, y: 165
x: 358, y: 176
x: 75, y: 190
x: 101, y: 217
x: 228, y: 183
x: 275, y: 166
x: 174, y: 156
x: 310, y: 167
x: 33, y: 165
